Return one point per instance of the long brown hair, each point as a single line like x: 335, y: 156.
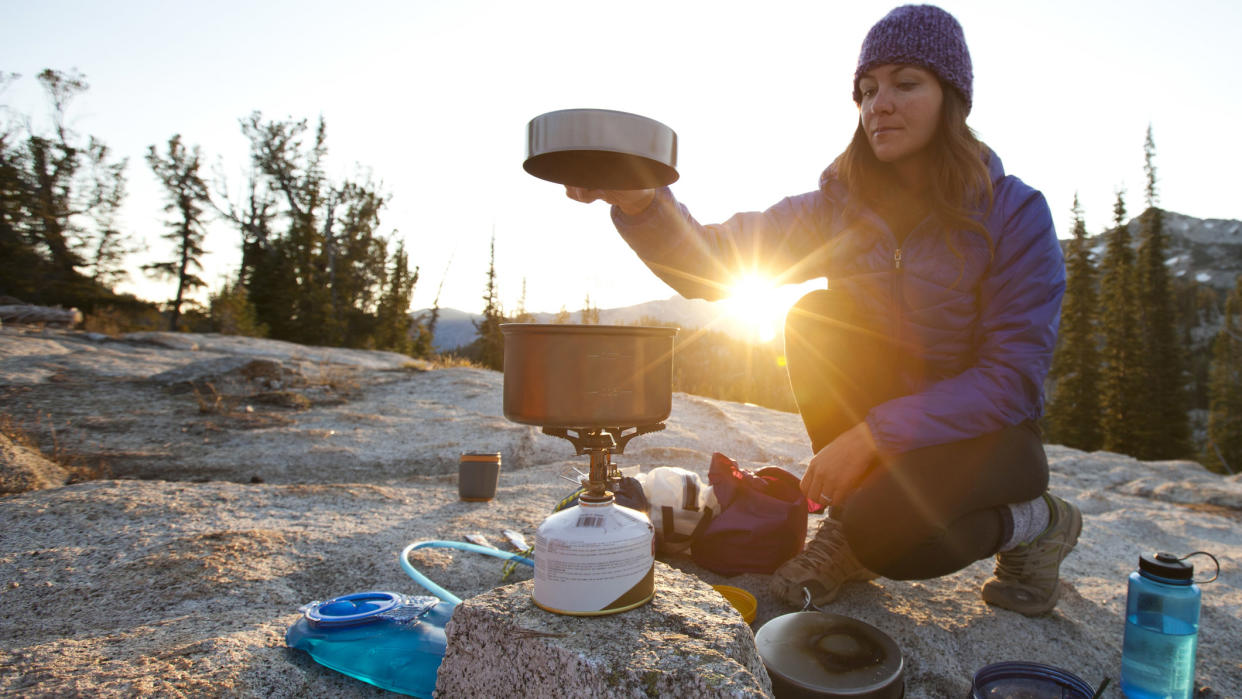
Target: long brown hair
x: 960, y: 193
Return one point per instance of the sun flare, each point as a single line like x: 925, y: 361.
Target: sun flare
x: 758, y: 305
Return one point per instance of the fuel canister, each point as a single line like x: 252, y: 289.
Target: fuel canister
x: 593, y: 559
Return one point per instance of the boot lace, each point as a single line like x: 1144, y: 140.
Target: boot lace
x: 1034, y: 561
x: 829, y: 553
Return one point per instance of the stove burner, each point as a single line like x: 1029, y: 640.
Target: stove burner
x: 600, y: 444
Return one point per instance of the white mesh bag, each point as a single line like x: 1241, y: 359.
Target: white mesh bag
x: 681, y: 505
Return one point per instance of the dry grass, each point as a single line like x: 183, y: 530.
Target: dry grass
x: 78, y: 468
x: 1220, y: 510
x: 452, y: 361
x: 283, y: 399
x: 342, y: 380
x: 16, y: 434
x: 210, y: 401
x: 114, y: 322
x: 224, y: 412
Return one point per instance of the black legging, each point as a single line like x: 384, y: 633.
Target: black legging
x: 924, y: 513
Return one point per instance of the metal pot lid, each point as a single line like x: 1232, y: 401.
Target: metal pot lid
x: 831, y: 654
x: 601, y: 149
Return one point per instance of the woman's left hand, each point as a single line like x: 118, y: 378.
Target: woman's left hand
x: 835, y: 472
x: 631, y: 201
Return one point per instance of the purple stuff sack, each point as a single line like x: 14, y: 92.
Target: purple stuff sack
x: 762, y: 520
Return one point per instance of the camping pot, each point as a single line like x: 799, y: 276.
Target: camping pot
x: 817, y: 654
x: 601, y: 149
x: 587, y: 376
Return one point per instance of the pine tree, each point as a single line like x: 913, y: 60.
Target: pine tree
x: 53, y: 183
x: 1119, y: 376
x: 589, y: 315
x: 521, y: 315
x: 425, y: 344
x: 110, y: 245
x: 1074, y: 409
x: 320, y: 280
x: 491, y: 341
x: 186, y: 193
x: 54, y: 163
x: 232, y: 313
x: 393, y: 320
x: 285, y: 278
x: 254, y: 217
x: 1223, y: 453
x: 562, y: 316
x: 1163, y: 424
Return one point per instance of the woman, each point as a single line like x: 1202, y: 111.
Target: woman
x: 919, y: 371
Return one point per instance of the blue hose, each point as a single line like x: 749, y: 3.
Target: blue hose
x: 435, y: 589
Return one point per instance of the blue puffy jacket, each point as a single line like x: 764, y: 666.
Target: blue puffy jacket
x: 985, y: 323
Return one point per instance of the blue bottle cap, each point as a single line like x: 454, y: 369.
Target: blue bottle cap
x: 349, y: 610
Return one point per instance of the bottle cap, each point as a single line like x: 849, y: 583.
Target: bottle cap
x: 1168, y: 566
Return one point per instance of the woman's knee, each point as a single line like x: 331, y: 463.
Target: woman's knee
x: 817, y: 307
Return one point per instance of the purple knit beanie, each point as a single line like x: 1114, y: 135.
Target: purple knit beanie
x: 921, y: 35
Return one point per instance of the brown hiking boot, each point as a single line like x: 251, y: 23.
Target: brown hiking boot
x: 1026, y: 578
x: 825, y: 564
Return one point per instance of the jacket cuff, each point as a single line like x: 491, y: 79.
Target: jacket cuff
x: 622, y: 219
x: 885, y: 443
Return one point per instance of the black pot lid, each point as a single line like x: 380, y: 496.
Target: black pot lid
x: 830, y: 653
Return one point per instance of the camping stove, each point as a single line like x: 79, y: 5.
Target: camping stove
x: 577, y: 382
x: 600, y: 445
x: 597, y: 557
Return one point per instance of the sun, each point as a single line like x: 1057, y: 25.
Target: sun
x: 759, y: 306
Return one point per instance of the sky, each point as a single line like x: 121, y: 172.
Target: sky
x: 433, y: 98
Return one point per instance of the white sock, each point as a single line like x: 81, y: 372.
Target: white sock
x: 1030, y: 519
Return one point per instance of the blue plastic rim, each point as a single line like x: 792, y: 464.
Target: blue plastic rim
x: 357, y: 608
x: 1032, y: 677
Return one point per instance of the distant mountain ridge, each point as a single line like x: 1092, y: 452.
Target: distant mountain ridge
x: 455, y: 328
x: 1209, y: 251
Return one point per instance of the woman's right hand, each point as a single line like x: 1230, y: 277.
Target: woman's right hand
x: 630, y: 201
x: 839, y: 468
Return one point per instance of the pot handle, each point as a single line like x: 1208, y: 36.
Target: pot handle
x: 806, y: 602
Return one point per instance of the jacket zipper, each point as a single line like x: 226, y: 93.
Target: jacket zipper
x: 897, y: 295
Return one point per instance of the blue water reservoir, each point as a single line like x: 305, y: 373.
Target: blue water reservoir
x: 387, y: 639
